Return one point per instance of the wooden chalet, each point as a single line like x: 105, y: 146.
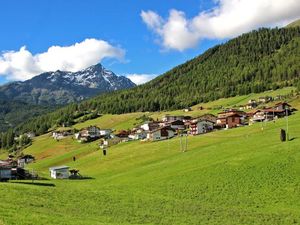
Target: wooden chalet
x: 137, y: 134
x: 161, y: 133
x: 209, y: 117
x: 150, y: 125
x: 231, y: 118
x: 88, y: 134
x: 123, y: 133
x: 283, y: 106
x: 280, y: 110
x: 177, y: 125
x: 171, y: 118
x: 26, y: 159
x: 10, y: 170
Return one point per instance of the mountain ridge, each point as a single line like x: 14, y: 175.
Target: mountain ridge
x: 63, y: 87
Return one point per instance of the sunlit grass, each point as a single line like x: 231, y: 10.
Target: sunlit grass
x: 239, y: 176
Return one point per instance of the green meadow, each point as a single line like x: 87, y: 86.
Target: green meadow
x: 239, y: 176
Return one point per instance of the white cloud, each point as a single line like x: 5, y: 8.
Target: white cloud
x: 22, y: 65
x: 228, y: 18
x: 152, y: 20
x: 140, y: 78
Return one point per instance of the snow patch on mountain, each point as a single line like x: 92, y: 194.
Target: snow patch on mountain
x: 93, y: 77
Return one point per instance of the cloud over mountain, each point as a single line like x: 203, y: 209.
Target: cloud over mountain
x: 227, y: 19
x: 23, y: 65
x: 141, y: 78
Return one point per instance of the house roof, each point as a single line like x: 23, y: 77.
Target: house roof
x: 232, y: 111
x: 198, y: 120
x: 123, y: 132
x: 282, y: 103
x: 229, y: 115
x: 177, y: 122
x: 161, y: 128
x: 59, y: 167
x: 206, y: 120
x: 233, y: 115
x: 6, y: 162
x: 273, y: 110
x: 206, y: 115
x: 253, y: 112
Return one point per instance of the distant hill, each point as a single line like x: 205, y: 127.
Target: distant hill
x: 294, y: 24
x: 13, y: 113
x: 251, y: 63
x: 61, y: 87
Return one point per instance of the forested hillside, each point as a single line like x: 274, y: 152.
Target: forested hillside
x: 13, y: 113
x: 254, y: 62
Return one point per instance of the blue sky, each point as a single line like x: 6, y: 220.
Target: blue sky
x: 141, y: 37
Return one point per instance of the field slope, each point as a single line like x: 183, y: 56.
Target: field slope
x: 294, y: 24
x: 239, y: 176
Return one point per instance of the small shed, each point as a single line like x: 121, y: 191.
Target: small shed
x: 59, y: 172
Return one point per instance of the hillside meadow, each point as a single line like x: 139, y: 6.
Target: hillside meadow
x: 129, y: 120
x: 238, y: 176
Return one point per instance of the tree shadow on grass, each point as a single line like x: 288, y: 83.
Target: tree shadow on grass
x: 81, y: 178
x: 35, y: 183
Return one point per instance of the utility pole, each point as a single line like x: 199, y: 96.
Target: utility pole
x: 180, y: 135
x: 183, y: 144
x: 287, y: 124
x: 186, y: 141
x: 266, y: 119
x: 32, y: 175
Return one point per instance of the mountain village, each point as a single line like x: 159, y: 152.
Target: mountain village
x: 150, y: 112
x: 152, y: 130
x: 173, y: 125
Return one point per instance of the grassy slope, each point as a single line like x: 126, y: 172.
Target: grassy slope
x: 294, y: 24
x: 126, y: 121
x: 225, y: 102
x: 118, y: 122
x: 239, y: 176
